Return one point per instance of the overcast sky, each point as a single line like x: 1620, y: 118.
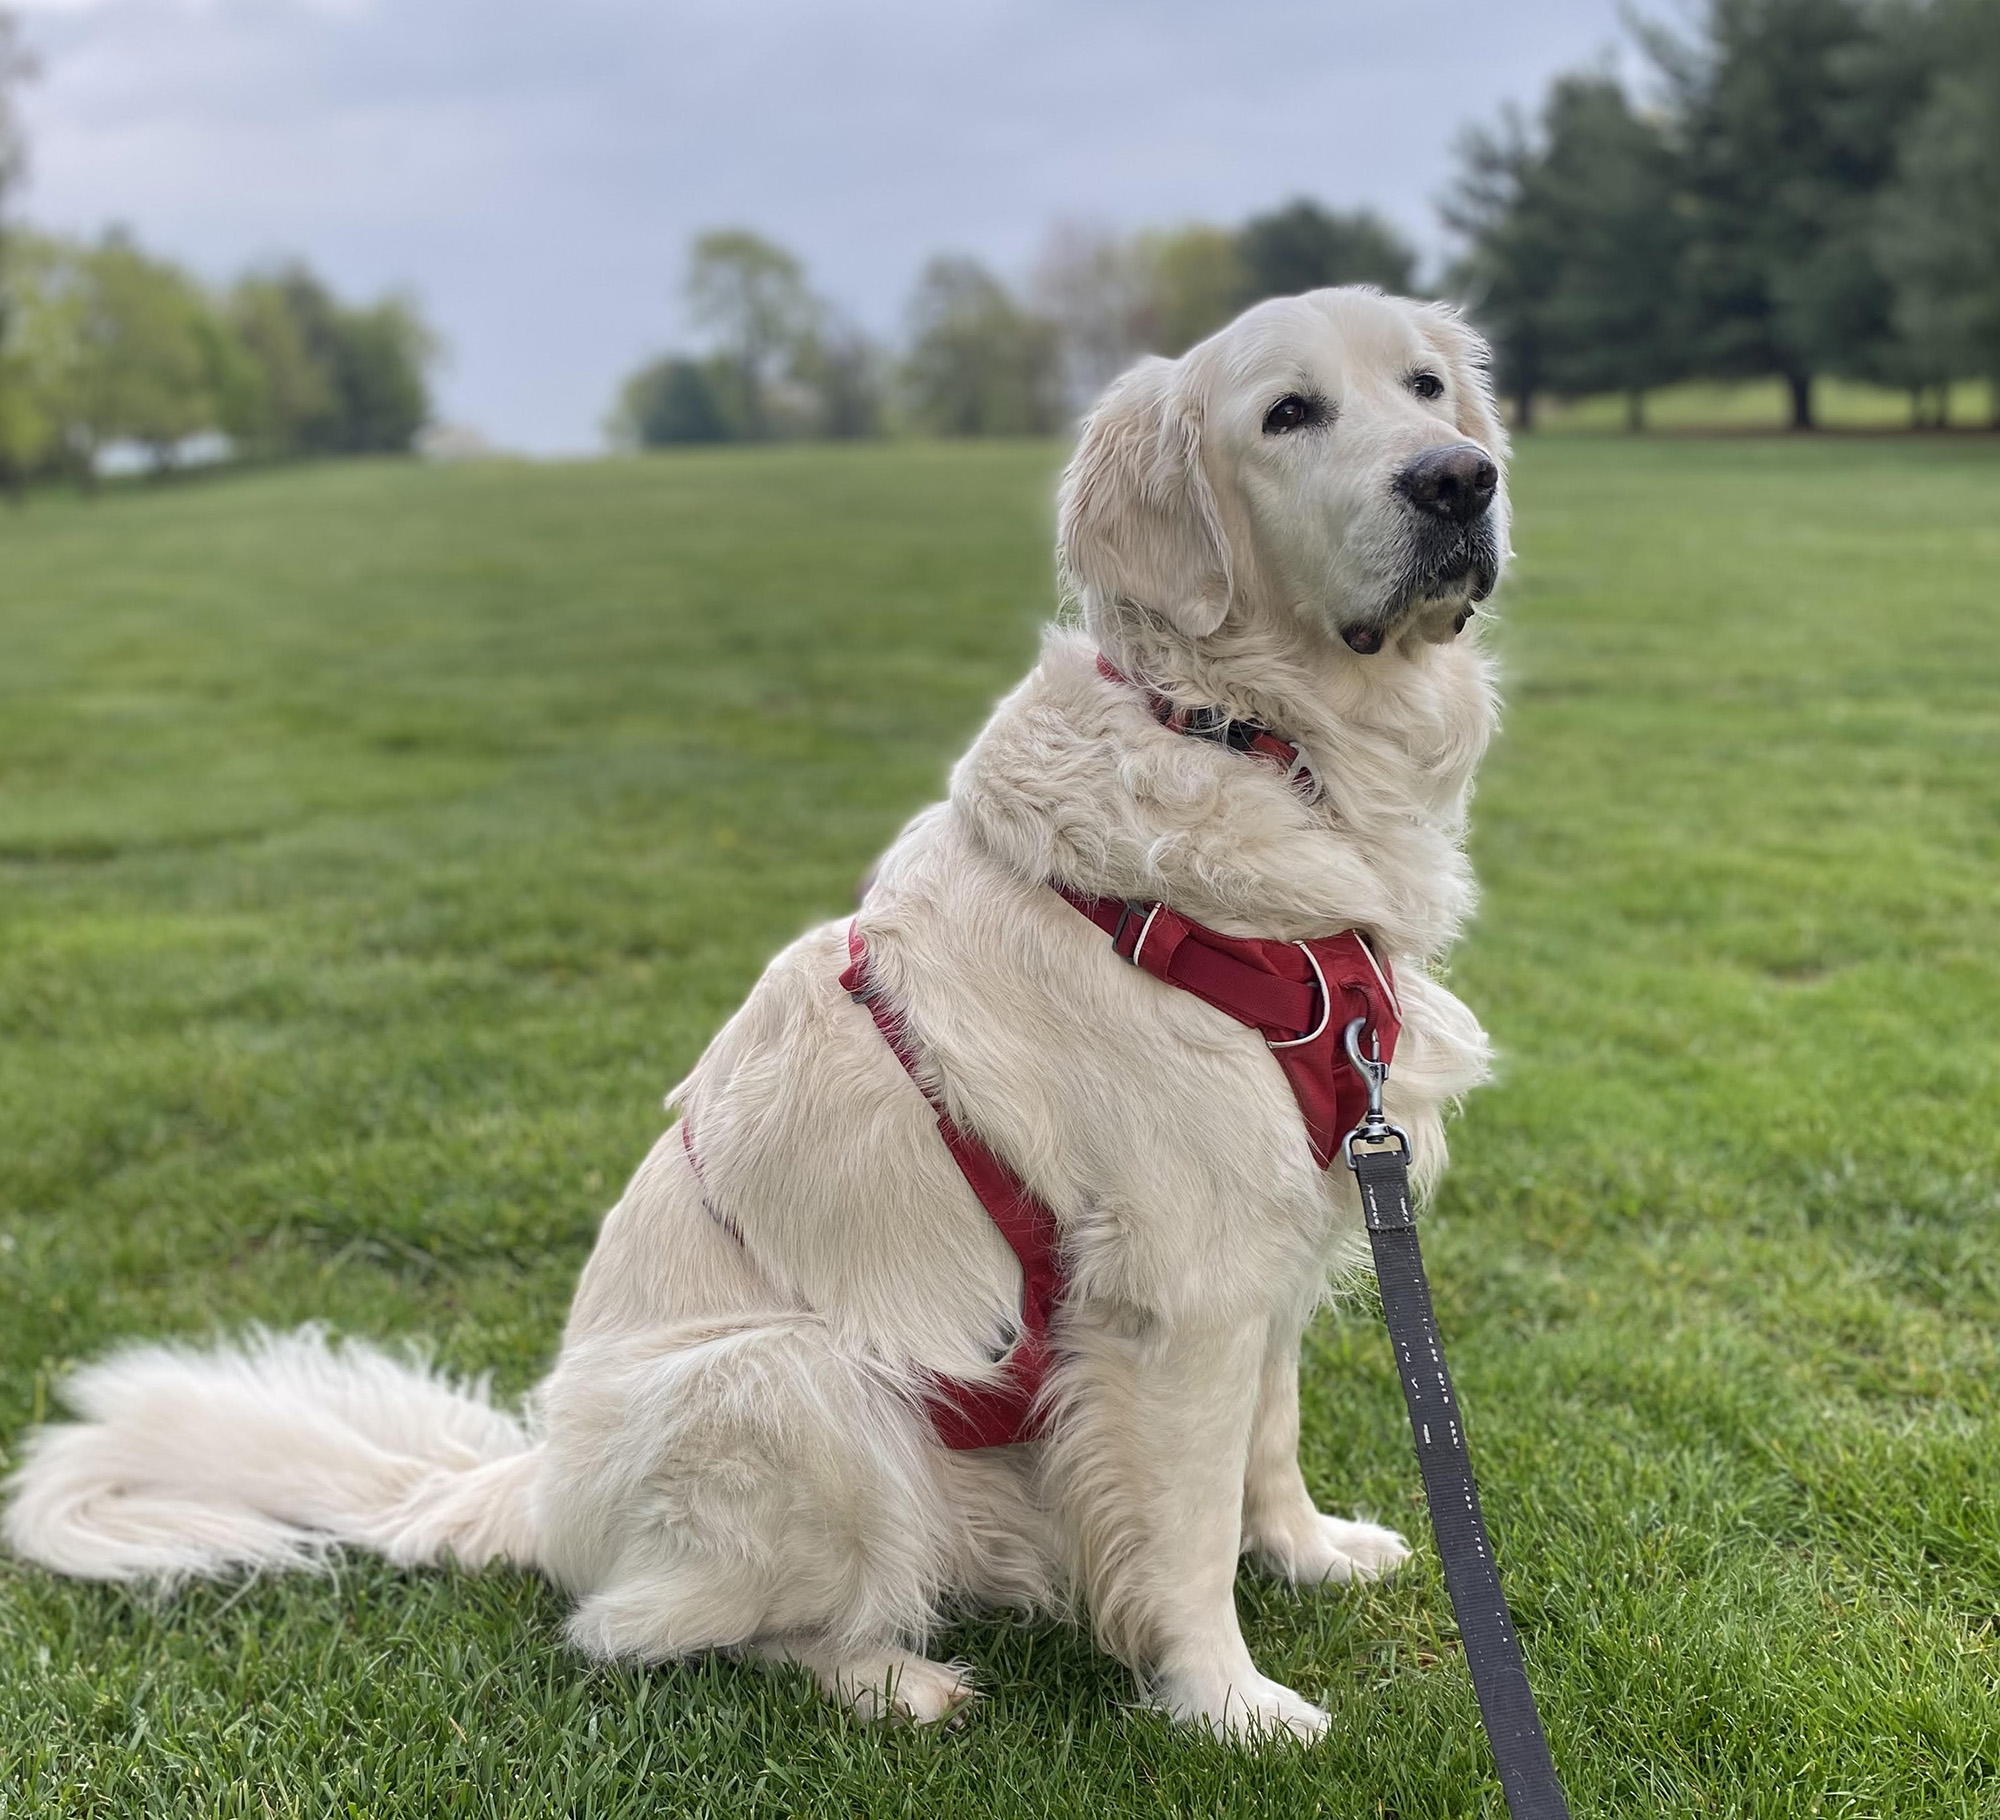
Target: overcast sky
x: 533, y: 169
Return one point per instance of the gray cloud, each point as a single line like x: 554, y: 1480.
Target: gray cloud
x: 534, y: 170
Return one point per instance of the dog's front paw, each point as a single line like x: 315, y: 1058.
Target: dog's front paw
x: 1325, y: 1550
x: 1250, y: 1709
x: 880, y: 1684
x: 906, y: 1688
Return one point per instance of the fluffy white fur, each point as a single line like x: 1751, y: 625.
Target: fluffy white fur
x: 729, y: 1453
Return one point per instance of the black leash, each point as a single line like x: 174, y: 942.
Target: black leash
x: 1379, y: 1154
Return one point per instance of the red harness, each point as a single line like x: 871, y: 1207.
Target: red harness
x: 981, y: 1415
x: 1299, y: 996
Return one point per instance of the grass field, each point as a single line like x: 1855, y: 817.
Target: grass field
x: 378, y: 843
x: 1761, y: 405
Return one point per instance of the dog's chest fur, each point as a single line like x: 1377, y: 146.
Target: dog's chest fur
x: 1159, y: 1131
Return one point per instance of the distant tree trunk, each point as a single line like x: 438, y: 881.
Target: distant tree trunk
x: 1524, y: 409
x: 1916, y: 407
x: 1801, y: 388
x: 1635, y: 411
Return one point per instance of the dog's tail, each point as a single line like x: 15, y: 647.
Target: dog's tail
x: 194, y: 1461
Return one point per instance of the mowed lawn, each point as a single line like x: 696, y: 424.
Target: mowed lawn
x: 378, y: 843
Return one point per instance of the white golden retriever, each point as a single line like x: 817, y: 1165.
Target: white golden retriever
x: 1292, y: 522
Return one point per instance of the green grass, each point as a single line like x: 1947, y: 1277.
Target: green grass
x: 377, y: 844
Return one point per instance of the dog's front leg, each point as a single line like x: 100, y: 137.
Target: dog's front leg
x: 1149, y: 1462
x: 1281, y: 1525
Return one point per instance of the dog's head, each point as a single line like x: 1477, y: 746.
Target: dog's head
x: 1335, y: 456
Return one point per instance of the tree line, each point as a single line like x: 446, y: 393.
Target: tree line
x: 103, y: 343
x: 979, y: 358
x: 1802, y: 189
x: 1797, y: 189
x: 1812, y: 190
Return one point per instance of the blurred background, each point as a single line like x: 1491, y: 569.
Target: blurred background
x: 268, y: 227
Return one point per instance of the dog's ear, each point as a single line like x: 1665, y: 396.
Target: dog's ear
x: 1470, y: 358
x: 1136, y: 519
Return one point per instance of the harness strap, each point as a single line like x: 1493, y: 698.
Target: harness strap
x: 981, y: 1415
x: 1300, y: 996
x: 1492, y: 1650
x: 1172, y: 948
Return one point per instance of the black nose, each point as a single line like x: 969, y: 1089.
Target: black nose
x: 1454, y: 482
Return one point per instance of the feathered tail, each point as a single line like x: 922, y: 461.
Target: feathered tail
x: 194, y: 1461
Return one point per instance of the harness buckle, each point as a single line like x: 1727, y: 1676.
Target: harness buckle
x: 1374, y: 1132
x: 1133, y: 907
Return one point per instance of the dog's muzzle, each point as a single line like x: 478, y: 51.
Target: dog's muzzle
x: 1453, y: 552
x: 1445, y: 564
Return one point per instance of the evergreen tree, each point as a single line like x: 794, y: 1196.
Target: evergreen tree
x: 1509, y: 275
x: 1616, y: 317
x: 1788, y: 114
x: 1938, y: 223
x: 1302, y: 246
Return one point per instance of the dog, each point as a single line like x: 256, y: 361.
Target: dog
x: 1291, y: 525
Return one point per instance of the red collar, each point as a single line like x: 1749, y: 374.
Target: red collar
x: 1246, y: 736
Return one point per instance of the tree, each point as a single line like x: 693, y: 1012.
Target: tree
x: 326, y: 378
x: 1788, y: 112
x: 380, y: 356
x: 1302, y: 246
x: 16, y: 68
x: 43, y: 353
x: 1937, y: 225
x: 1199, y: 281
x: 19, y: 420
x: 1097, y: 288
x: 149, y: 366
x: 752, y: 296
x: 667, y: 402
x: 284, y: 322
x: 842, y: 369
x: 1577, y: 248
x: 1508, y: 277
x: 38, y: 344
x: 105, y: 345
x: 979, y: 364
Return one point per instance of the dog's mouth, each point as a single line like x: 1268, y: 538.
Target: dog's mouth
x: 1460, y: 566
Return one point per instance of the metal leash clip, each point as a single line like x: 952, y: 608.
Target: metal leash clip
x: 1374, y: 1131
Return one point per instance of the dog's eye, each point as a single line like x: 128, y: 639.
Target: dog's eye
x: 1294, y: 411
x: 1427, y: 385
